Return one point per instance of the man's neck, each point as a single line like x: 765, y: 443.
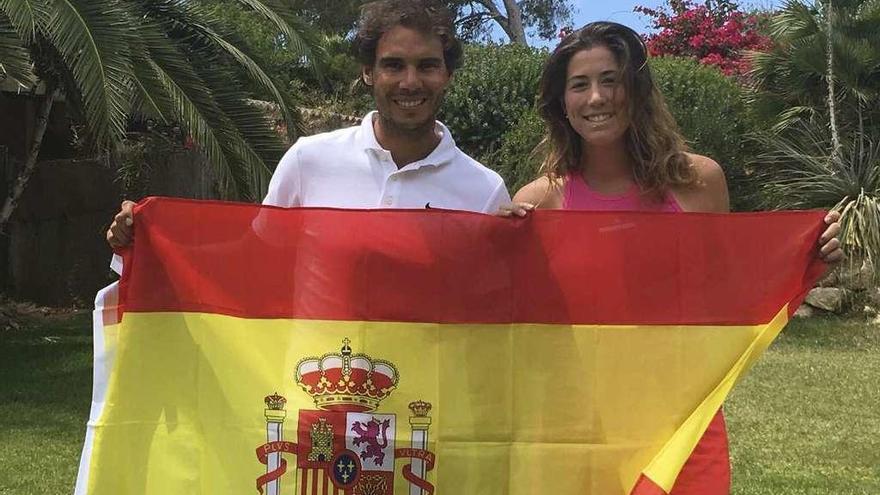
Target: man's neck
x: 406, y: 146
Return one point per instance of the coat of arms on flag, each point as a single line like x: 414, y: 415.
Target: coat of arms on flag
x: 345, y: 446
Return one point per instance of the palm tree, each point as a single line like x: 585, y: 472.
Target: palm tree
x: 164, y: 59
x: 829, y: 76
x: 826, y: 56
x: 820, y: 86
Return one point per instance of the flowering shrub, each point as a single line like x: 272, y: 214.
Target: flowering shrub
x: 715, y: 33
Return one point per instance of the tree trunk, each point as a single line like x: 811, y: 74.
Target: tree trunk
x: 515, y: 29
x: 829, y: 77
x: 30, y: 162
x: 512, y: 24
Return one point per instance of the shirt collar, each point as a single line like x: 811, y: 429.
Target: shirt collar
x: 443, y: 153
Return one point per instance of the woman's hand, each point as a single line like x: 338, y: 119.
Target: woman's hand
x: 514, y: 210
x: 829, y: 244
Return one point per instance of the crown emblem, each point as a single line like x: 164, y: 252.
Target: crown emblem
x: 420, y: 408
x: 275, y: 402
x: 345, y: 381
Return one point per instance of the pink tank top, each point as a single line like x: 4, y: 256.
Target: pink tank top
x: 577, y: 195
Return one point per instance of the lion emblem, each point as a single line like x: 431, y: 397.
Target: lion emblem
x: 374, y: 435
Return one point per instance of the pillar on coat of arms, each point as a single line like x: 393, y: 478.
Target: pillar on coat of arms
x: 419, y: 422
x: 275, y: 414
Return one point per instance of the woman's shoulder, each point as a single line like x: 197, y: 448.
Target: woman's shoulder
x: 541, y: 192
x: 709, y: 192
x: 707, y: 169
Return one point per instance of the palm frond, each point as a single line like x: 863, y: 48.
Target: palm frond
x: 149, y: 97
x: 197, y: 28
x: 298, y: 35
x: 201, y: 105
x: 26, y: 16
x: 192, y: 106
x: 794, y: 20
x: 255, y: 143
x: 93, y: 37
x: 792, y: 116
x: 257, y: 74
x: 205, y: 35
x: 860, y: 229
x: 15, y: 60
x: 798, y: 170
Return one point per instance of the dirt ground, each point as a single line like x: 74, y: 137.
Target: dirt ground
x: 20, y: 316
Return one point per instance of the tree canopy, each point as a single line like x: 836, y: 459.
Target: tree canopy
x: 476, y: 19
x: 118, y: 60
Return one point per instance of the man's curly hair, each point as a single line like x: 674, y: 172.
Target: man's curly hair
x: 425, y: 16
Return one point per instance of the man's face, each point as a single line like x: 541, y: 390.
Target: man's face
x: 409, y: 79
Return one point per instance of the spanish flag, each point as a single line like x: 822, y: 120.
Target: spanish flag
x: 262, y: 350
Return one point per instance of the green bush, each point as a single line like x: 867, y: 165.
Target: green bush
x: 339, y: 89
x: 516, y: 159
x: 712, y: 114
x: 494, y: 87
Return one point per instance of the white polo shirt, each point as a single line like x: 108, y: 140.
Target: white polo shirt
x: 348, y: 168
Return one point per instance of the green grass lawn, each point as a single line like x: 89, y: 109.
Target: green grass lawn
x: 45, y: 395
x: 806, y: 420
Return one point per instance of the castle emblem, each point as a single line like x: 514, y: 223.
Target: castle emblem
x: 345, y: 446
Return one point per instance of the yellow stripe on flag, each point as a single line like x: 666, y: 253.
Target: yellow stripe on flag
x: 517, y: 408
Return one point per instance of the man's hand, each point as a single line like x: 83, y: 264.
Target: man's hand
x: 514, y: 209
x: 829, y: 244
x: 121, y: 231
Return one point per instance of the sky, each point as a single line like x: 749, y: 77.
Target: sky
x: 622, y: 11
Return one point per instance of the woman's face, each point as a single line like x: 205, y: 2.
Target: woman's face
x: 595, y: 97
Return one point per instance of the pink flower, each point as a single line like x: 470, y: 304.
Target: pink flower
x: 697, y: 40
x: 716, y: 36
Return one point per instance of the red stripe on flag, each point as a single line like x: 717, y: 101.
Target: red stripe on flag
x: 304, y: 481
x: 457, y: 267
x: 644, y: 486
x: 317, y: 477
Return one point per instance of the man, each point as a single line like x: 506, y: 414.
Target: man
x: 400, y: 156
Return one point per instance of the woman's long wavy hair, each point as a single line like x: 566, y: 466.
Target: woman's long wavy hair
x: 652, y: 139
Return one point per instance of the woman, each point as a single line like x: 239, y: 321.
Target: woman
x: 613, y: 145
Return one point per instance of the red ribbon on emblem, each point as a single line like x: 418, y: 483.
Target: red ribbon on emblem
x: 263, y: 452
x: 408, y: 475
